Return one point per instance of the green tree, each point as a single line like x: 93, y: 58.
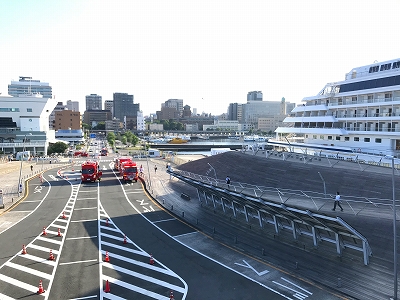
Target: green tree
x: 100, y: 126
x: 123, y: 139
x: 58, y: 147
x: 86, y: 126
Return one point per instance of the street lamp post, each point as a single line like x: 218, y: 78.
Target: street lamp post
x: 20, y: 168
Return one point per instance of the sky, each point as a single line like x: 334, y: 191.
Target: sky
x: 209, y: 53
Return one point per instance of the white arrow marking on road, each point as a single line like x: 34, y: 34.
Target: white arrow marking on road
x: 142, y: 202
x: 54, y: 178
x: 38, y: 189
x: 250, y: 267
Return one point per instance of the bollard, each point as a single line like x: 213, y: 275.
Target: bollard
x: 163, y: 201
x: 297, y: 265
x: 262, y: 251
x: 339, y: 282
x: 183, y: 214
x: 197, y: 221
x: 172, y: 207
x: 235, y: 239
x: 213, y: 229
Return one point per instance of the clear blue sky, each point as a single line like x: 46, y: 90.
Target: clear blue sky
x: 193, y: 50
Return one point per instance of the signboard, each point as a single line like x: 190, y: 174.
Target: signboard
x: 92, y: 135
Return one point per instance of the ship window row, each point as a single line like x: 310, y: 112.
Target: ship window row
x: 370, y: 84
x: 384, y: 67
x: 8, y: 109
x: 346, y: 138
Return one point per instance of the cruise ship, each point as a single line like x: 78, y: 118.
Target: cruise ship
x: 359, y: 115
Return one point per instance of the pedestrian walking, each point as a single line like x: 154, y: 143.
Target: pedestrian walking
x: 155, y: 169
x: 337, y: 202
x: 141, y: 170
x: 228, y: 180
x: 31, y: 168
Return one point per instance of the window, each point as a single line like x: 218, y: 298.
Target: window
x: 321, y: 137
x: 338, y: 138
x: 29, y: 110
x: 378, y: 141
x: 367, y: 140
x: 329, y: 137
x: 356, y: 139
x: 346, y: 138
x: 314, y: 136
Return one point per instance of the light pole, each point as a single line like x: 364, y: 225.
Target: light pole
x: 323, y: 181
x: 20, y: 168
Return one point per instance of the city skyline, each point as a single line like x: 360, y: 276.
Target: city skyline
x: 208, y: 53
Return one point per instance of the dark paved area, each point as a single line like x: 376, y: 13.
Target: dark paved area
x: 321, y: 265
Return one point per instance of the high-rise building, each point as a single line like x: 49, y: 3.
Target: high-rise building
x: 108, y: 105
x: 254, y: 96
x: 26, y: 86
x: 234, y: 111
x: 123, y: 106
x: 93, y: 102
x: 59, y: 107
x: 73, y: 105
x: 175, y: 103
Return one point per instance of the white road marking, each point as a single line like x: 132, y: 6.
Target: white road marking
x: 166, y: 220
x: 183, y: 234
x: 28, y: 270
x: 83, y: 298
x: 5, y: 297
x: 44, y: 249
x: 83, y: 237
x: 48, y: 240
x: 83, y: 208
x: 39, y: 259
x: 125, y: 249
x: 78, y: 262
x: 25, y: 286
x: 247, y: 265
x: 79, y: 221
x: 30, y: 201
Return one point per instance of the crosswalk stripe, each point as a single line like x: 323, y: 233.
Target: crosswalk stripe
x: 29, y: 270
x: 49, y: 240
x: 45, y: 249
x: 25, y: 286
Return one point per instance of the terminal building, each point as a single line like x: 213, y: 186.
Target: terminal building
x: 24, y: 123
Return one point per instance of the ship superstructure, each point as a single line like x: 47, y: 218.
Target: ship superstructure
x: 358, y: 115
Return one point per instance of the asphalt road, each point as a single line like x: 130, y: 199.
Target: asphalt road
x: 120, y: 221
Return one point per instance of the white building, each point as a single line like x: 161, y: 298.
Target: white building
x: 141, y: 125
x: 24, y: 123
x: 26, y: 86
x: 223, y: 125
x: 72, y: 105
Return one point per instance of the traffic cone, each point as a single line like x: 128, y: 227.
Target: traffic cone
x: 171, y: 295
x: 44, y: 231
x: 41, y: 289
x: 23, y: 250
x: 151, y: 259
x: 125, y: 242
x: 107, y: 258
x: 63, y: 215
x: 51, y: 257
x: 107, y: 289
x: 59, y: 232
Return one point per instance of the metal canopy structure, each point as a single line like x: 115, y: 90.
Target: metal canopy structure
x: 255, y: 203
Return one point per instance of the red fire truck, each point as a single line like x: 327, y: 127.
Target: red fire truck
x: 119, y: 161
x: 90, y: 171
x: 129, y: 171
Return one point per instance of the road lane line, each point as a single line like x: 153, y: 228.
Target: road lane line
x: 183, y: 234
x: 166, y: 220
x: 19, y: 283
x: 48, y: 240
x: 146, y: 278
x: 88, y: 220
x: 77, y: 262
x: 83, y: 298
x: 28, y: 270
x: 83, y: 208
x: 39, y: 259
x: 134, y: 288
x: 83, y: 199
x: 141, y: 264
x: 30, y: 201
x: 124, y: 249
x: 44, y: 249
x: 83, y: 237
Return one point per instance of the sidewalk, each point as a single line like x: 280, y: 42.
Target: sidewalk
x: 10, y: 173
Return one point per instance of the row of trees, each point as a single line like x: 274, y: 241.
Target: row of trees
x: 125, y: 138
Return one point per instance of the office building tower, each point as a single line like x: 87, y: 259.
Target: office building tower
x: 26, y: 86
x: 255, y: 96
x: 73, y: 105
x: 93, y: 102
x: 123, y: 106
x: 108, y: 105
x: 175, y: 103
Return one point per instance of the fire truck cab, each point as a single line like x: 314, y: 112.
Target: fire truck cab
x: 90, y: 171
x: 129, y: 171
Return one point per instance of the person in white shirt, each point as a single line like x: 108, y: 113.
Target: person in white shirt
x: 337, y: 202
